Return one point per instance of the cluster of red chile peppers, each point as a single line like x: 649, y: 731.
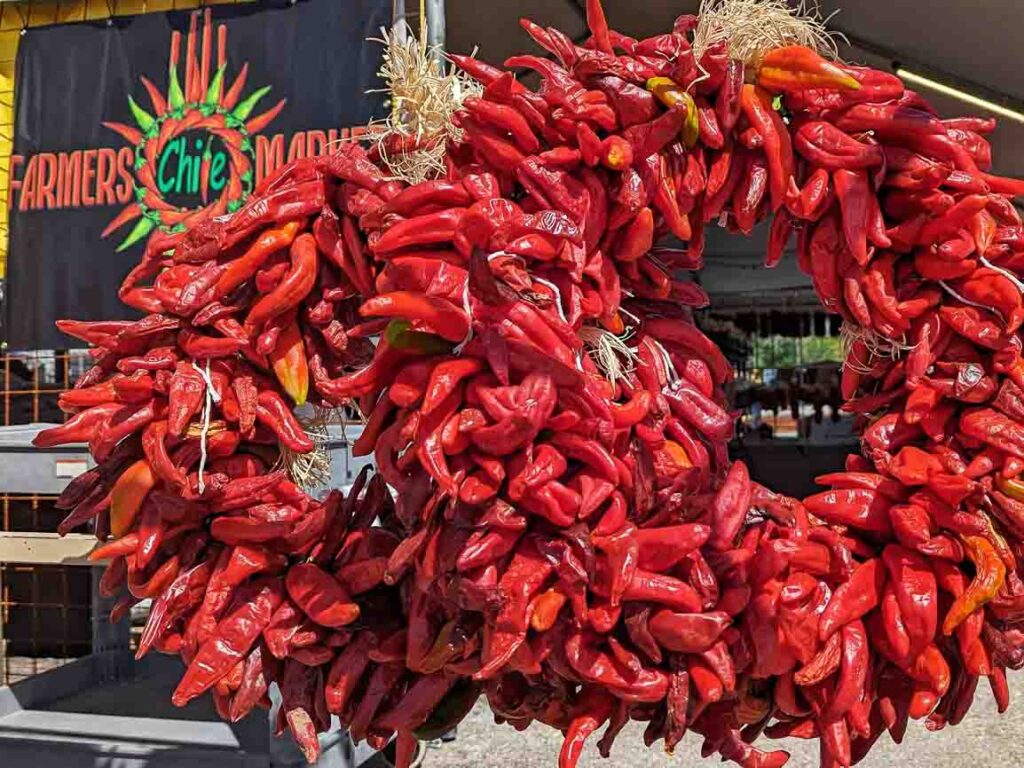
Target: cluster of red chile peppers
x: 570, y: 541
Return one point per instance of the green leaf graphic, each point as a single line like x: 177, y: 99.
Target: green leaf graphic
x: 175, y: 97
x: 143, y: 227
x: 242, y: 110
x: 145, y: 120
x: 213, y: 92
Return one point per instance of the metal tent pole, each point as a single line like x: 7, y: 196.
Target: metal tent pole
x: 434, y: 10
x: 397, y: 15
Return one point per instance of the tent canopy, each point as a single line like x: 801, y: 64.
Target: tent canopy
x: 964, y: 44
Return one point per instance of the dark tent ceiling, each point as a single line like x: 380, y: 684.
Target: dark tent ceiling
x: 964, y: 43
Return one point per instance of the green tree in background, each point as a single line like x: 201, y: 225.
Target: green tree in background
x: 788, y: 352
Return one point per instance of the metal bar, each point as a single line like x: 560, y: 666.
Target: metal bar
x: 435, y: 23
x: 398, y: 15
x: 34, y: 614
x: 7, y: 390
x: 3, y: 637
x: 46, y: 548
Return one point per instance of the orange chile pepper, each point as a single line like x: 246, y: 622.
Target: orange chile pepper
x: 524, y: 578
x: 141, y: 587
x: 288, y: 360
x: 677, y: 454
x: 778, y: 148
x: 616, y: 153
x: 127, y: 495
x: 796, y: 68
x: 293, y: 288
x: 245, y: 266
x: 989, y: 575
x: 544, y: 609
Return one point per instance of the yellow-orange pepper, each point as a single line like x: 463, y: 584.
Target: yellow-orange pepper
x: 990, y: 573
x: 1011, y: 487
x: 545, y: 608
x: 797, y: 68
x: 673, y: 96
x: 288, y: 360
x: 127, y: 495
x: 678, y: 454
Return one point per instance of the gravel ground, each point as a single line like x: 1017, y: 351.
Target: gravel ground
x: 983, y: 739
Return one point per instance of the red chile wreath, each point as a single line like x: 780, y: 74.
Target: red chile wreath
x: 568, y: 537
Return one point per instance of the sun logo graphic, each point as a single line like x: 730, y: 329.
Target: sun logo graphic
x: 194, y: 155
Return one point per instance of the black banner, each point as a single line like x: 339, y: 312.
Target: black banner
x: 130, y: 128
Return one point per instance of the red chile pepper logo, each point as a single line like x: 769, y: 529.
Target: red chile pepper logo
x: 194, y: 155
